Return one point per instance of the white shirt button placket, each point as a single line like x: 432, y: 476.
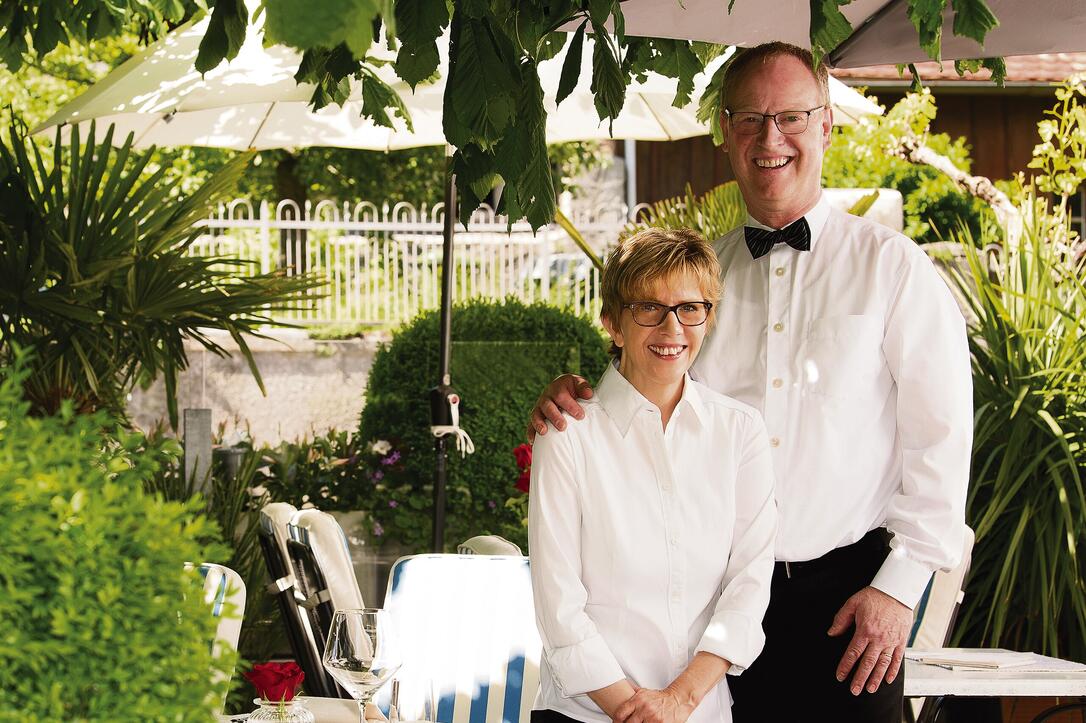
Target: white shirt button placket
x: 778, y: 339
x: 665, y: 473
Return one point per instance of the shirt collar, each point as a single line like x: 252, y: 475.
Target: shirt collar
x: 816, y: 219
x: 622, y: 401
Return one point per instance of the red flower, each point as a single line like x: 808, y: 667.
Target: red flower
x: 276, y: 681
x: 524, y: 481
x: 523, y: 453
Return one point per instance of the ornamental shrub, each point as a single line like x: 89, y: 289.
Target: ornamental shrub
x: 934, y: 207
x: 98, y: 618
x: 503, y: 354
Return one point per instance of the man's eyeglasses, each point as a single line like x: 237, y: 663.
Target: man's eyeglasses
x: 789, y: 122
x: 650, y: 313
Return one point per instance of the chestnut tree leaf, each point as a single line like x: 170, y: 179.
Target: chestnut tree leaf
x: 829, y: 27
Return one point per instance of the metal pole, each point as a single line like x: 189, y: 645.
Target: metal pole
x: 439, y: 395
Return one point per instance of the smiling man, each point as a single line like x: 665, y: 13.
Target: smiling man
x: 841, y: 332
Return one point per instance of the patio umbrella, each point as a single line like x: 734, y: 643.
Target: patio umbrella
x: 883, y: 33
x: 253, y: 102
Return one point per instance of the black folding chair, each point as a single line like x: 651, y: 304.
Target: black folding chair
x: 306, y: 645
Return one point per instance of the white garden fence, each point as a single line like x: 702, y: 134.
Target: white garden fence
x: 382, y: 265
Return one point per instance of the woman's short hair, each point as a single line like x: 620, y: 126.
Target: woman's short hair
x: 640, y: 261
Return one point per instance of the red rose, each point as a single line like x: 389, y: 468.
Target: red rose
x: 523, y: 453
x: 276, y: 681
x: 524, y: 481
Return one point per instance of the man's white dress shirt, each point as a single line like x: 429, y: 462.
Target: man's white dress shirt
x: 649, y: 545
x: 855, y: 352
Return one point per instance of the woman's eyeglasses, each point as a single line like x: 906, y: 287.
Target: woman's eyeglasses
x: 651, y: 313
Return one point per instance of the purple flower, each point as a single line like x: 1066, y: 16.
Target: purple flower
x: 377, y: 529
x: 491, y: 504
x: 392, y: 458
x: 378, y: 475
x: 393, y: 503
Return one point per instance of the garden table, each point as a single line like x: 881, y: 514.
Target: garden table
x: 1045, y: 677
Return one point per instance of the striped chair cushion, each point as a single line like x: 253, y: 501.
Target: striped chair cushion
x: 466, y: 627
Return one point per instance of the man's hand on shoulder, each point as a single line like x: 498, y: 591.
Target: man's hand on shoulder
x: 560, y: 396
x: 882, y: 627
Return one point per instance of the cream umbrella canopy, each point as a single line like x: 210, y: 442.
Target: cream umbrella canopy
x: 882, y: 31
x: 253, y: 102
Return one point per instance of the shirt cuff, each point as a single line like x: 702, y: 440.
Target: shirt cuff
x: 902, y: 579
x: 736, y: 637
x: 586, y: 666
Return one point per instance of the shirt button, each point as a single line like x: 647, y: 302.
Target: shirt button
x: 778, y: 326
x: 775, y: 442
x: 778, y: 383
x: 779, y: 271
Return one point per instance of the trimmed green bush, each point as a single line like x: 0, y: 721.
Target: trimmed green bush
x: 98, y: 618
x: 503, y: 354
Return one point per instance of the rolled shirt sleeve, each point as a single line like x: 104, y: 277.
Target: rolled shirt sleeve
x: 927, y: 353
x: 735, y: 629
x: 578, y: 656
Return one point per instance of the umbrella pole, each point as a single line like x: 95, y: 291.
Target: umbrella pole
x: 442, y: 396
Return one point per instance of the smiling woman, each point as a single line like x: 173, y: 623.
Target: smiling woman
x: 663, y: 485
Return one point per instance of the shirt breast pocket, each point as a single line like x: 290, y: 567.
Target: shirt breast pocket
x: 843, y: 355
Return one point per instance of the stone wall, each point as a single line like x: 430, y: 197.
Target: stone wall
x: 312, y: 386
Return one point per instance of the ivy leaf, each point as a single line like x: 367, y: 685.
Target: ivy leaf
x: 225, y: 34
x: 378, y: 97
x: 419, y: 24
x: 973, y: 19
x: 608, y: 83
x: 829, y: 27
x: 479, y: 85
x: 571, y: 66
x: 927, y: 17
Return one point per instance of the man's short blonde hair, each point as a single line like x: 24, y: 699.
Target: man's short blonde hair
x: 746, y: 60
x: 644, y: 259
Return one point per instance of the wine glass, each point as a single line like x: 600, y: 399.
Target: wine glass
x: 361, y: 654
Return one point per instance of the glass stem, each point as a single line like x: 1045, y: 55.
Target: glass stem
x: 361, y: 711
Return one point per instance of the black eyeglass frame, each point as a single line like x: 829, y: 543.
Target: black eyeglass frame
x: 731, y: 115
x: 708, y: 305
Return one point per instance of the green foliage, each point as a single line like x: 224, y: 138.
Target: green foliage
x: 94, y: 275
x: 1026, y: 501
x: 502, y: 355
x: 492, y: 113
x: 100, y: 620
x: 933, y: 205
x: 1061, y: 155
x: 323, y: 472
x: 712, y: 214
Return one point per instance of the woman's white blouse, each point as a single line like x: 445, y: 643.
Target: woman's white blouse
x: 648, y: 545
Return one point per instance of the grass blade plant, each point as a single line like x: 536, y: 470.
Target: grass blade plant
x: 1026, y: 499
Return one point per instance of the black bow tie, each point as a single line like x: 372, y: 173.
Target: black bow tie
x: 760, y: 241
